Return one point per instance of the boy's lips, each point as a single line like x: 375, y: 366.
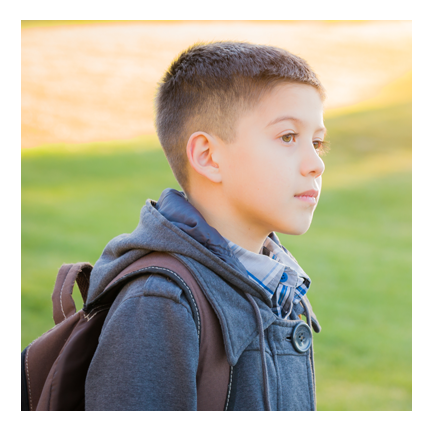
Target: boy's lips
x: 308, y: 196
x: 310, y: 193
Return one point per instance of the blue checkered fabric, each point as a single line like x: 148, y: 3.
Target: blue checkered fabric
x: 275, y: 270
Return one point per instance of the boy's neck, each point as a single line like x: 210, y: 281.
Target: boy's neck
x: 230, y: 224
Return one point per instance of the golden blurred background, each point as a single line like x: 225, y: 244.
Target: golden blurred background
x: 88, y: 82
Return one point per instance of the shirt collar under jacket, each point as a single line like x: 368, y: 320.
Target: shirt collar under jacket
x: 274, y: 270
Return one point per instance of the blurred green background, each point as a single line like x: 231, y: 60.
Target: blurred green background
x: 75, y: 198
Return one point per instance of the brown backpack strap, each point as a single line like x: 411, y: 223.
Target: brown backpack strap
x: 213, y: 368
x: 63, y: 304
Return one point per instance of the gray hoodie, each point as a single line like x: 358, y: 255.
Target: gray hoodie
x: 148, y: 350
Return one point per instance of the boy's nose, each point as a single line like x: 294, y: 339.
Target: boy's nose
x: 312, y: 163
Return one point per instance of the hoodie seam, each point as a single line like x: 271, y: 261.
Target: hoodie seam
x: 179, y: 302
x: 229, y: 389
x: 165, y: 281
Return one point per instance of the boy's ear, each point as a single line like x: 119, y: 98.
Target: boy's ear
x: 203, y: 154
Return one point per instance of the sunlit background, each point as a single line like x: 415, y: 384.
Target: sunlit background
x: 90, y: 159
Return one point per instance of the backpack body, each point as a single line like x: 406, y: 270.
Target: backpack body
x: 54, y: 366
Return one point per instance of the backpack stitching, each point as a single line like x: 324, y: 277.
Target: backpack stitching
x: 230, y: 388
x: 27, y: 376
x: 61, y: 291
x: 104, y: 307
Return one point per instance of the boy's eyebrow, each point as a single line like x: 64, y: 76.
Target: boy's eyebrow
x: 287, y: 117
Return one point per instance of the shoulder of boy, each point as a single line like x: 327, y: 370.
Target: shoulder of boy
x: 155, y: 285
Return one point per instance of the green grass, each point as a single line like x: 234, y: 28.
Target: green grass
x: 357, y: 251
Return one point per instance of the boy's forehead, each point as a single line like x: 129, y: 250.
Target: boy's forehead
x: 295, y: 102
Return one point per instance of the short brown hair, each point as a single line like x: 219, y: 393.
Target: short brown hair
x: 209, y: 85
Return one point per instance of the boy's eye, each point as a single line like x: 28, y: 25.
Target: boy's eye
x: 322, y: 147
x: 317, y: 144
x: 288, y: 138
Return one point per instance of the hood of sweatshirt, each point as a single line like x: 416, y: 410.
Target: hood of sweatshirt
x: 173, y: 225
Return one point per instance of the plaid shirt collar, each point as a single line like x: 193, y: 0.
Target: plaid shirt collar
x: 275, y: 269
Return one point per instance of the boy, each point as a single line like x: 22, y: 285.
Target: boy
x: 242, y: 128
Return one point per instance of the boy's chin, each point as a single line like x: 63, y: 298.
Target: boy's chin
x: 297, y: 229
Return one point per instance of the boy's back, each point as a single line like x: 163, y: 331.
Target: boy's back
x: 247, y: 158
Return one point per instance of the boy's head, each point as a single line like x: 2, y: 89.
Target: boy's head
x: 214, y: 109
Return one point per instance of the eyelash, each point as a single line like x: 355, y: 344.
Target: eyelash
x: 323, y: 147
